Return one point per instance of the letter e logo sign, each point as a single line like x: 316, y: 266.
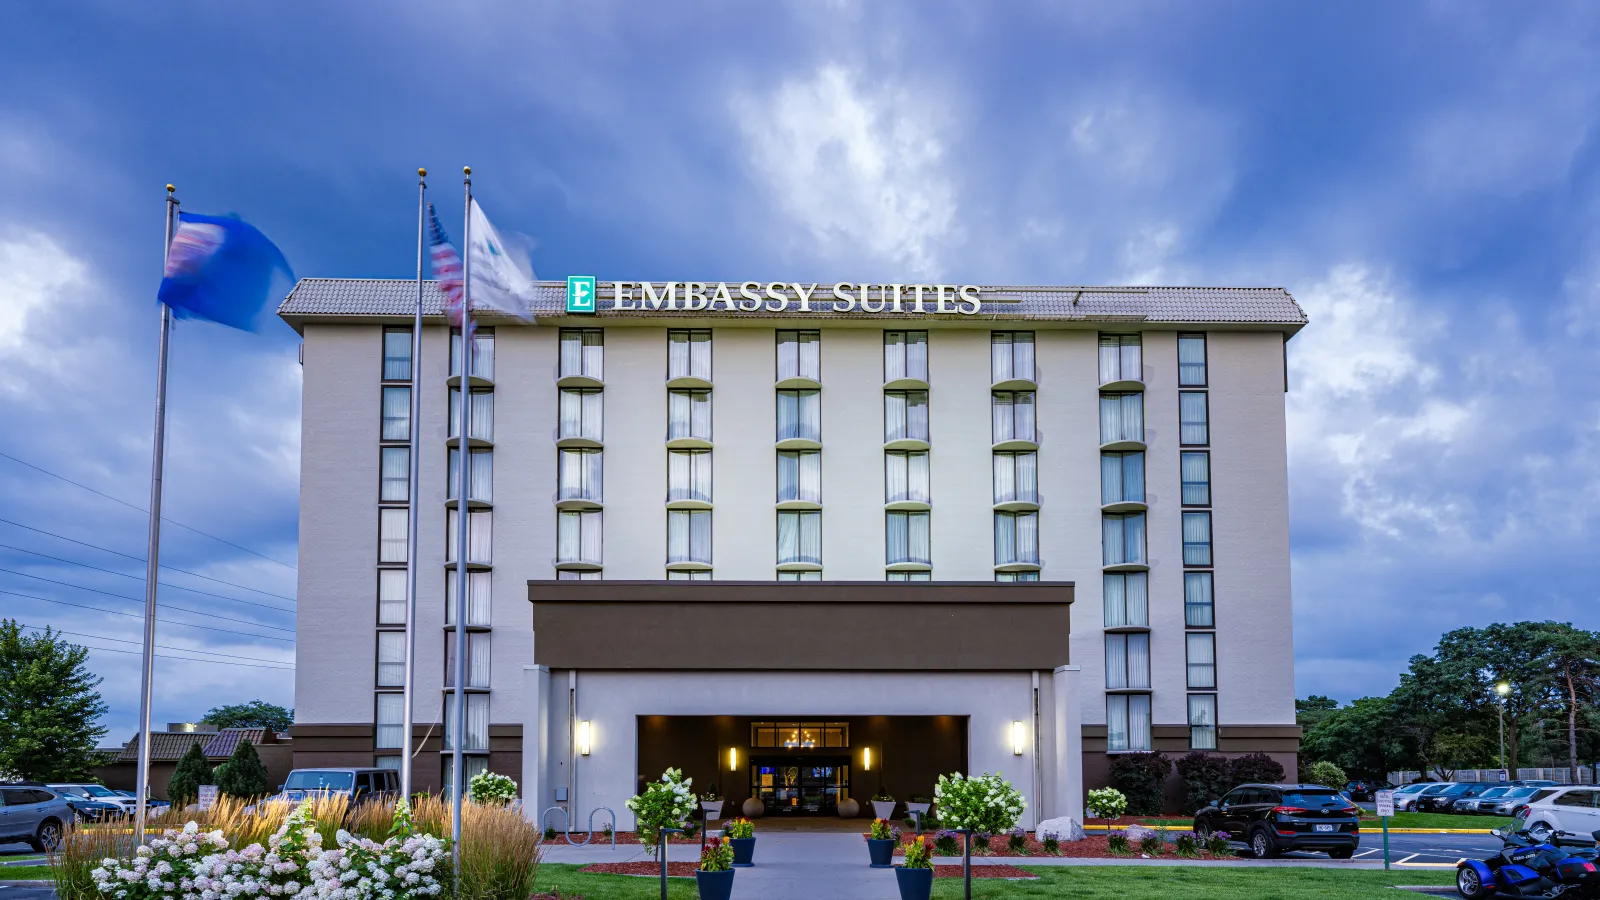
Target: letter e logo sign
x: 580, y: 293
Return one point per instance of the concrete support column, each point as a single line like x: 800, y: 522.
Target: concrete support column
x: 535, y: 740
x: 1068, y: 743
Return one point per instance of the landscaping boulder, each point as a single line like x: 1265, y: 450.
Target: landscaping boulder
x: 1064, y: 828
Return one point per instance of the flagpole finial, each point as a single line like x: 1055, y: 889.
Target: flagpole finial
x: 422, y: 173
x: 171, y: 189
x: 467, y: 171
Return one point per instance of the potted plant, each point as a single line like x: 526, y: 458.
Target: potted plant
x: 880, y: 843
x: 883, y: 804
x: 711, y: 802
x: 919, y: 803
x: 915, y: 874
x: 741, y: 835
x: 667, y: 803
x: 714, y: 877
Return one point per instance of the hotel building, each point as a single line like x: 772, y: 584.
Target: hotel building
x: 800, y: 549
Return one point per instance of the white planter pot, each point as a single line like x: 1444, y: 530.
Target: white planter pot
x: 713, y: 808
x: 883, y: 809
x: 918, y: 808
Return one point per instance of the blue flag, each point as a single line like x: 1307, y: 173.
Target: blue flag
x: 220, y: 268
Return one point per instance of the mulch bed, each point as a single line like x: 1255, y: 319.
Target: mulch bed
x: 648, y: 869
x: 984, y: 872
x: 1092, y: 846
x: 623, y: 837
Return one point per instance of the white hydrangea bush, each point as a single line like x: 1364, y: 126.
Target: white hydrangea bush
x: 163, y: 869
x: 1106, y: 803
x: 667, y: 803
x: 986, y: 804
x: 491, y: 788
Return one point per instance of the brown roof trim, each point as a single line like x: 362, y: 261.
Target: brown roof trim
x: 943, y: 592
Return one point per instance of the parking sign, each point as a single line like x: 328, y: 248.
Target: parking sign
x: 1385, y: 803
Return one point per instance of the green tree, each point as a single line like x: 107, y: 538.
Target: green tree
x: 49, y: 707
x: 1364, y: 739
x: 255, y: 714
x: 1313, y: 709
x: 192, y: 771
x: 243, y: 775
x: 1573, y: 658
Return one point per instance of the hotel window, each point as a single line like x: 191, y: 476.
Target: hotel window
x: 482, y: 353
x: 477, y: 659
x: 1121, y: 418
x: 799, y: 576
x: 800, y: 415
x: 570, y: 575
x: 391, y: 659
x: 689, y: 475
x: 1016, y: 477
x: 1192, y: 360
x: 396, y: 414
x: 1198, y: 607
x: 578, y: 536
x: 1120, y: 358
x: 583, y: 352
x: 689, y: 576
x: 390, y: 720
x: 1128, y: 661
x: 393, y: 527
x: 800, y: 355
x: 1121, y: 478
x: 480, y: 475
x: 480, y: 421
x: 579, y: 475
x: 1196, y: 466
x: 394, y: 474
x: 1016, y: 538
x: 1192, y: 416
x: 1197, y: 539
x: 1128, y: 722
x: 477, y: 599
x: 689, y: 415
x: 480, y: 531
x: 1013, y: 416
x: 800, y: 537
x: 905, y: 476
x: 477, y: 722
x: 905, y: 416
x: 800, y: 735
x: 909, y: 576
x: 391, y: 596
x: 799, y: 476
x: 582, y: 414
x: 905, y: 355
x: 906, y: 538
x: 689, y: 536
x: 471, y: 767
x: 1127, y: 600
x: 396, y: 354
x: 1122, y: 538
x: 689, y: 354
x: 1010, y: 356
x: 1016, y: 576
x: 1202, y: 659
x: 386, y: 762
x: 1203, y: 721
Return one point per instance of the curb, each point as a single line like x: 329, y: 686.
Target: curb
x: 1376, y: 829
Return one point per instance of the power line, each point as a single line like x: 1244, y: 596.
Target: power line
x: 143, y: 510
x: 215, y: 662
x: 141, y: 600
x: 169, y: 584
x: 142, y: 559
x: 115, y: 612
x: 102, y: 637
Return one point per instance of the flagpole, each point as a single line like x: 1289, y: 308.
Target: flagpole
x: 414, y: 482
x: 463, y: 463
x: 153, y: 549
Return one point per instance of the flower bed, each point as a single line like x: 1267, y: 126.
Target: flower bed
x: 643, y: 869
x: 1094, y: 846
x: 1011, y: 872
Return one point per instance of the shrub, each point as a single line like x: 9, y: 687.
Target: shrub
x: 1328, y: 774
x: 1117, y: 843
x: 1152, y: 843
x: 1205, y: 778
x: 1255, y: 768
x: 947, y: 843
x: 987, y: 803
x: 1185, y: 844
x: 500, y: 849
x: 980, y: 842
x: 1107, y: 803
x: 1142, y: 777
x: 716, y: 856
x: 83, y: 849
x: 667, y: 803
x: 918, y: 856
x: 1052, y: 844
x: 739, y: 828
x: 191, y: 772
x: 1017, y: 841
x: 491, y: 788
x: 243, y: 775
x: 1217, y: 843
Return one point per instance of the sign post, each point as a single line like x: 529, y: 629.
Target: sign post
x: 1385, y: 803
x: 208, y: 796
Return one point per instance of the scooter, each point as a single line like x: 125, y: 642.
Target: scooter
x: 1531, y: 869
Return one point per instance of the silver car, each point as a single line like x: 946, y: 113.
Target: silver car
x: 1506, y: 803
x: 34, y: 815
x: 1484, y: 801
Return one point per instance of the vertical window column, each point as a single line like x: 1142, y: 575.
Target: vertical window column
x: 799, y: 457
x: 394, y: 532
x: 580, y: 451
x: 1124, y: 562
x: 1013, y: 383
x: 1199, y: 617
x: 689, y: 459
x: 476, y: 386
x: 907, y: 443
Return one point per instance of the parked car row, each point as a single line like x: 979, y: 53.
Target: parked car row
x: 1470, y: 798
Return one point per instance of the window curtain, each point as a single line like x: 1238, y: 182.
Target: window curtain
x: 394, y: 466
x: 1138, y: 721
x: 906, y: 476
x: 1016, y: 477
x: 477, y: 726
x: 1116, y: 722
x: 480, y: 535
x: 391, y: 659
x: 477, y: 598
x: 799, y: 415
x: 1127, y: 602
x: 689, y: 475
x: 917, y: 477
x: 799, y: 355
x: 1203, y: 721
x: 571, y: 353
x: 1196, y: 467
x: 894, y: 355
x: 1123, y: 539
x: 1016, y: 538
x: 800, y: 537
x: 480, y: 418
x: 1022, y: 409
x: 391, y: 596
x: 800, y: 476
x: 1138, y: 660
x: 578, y: 535
x: 594, y: 353
x: 689, y: 415
x: 579, y: 475
x: 1202, y: 660
x: 905, y: 415
x: 1122, y: 478
x: 396, y: 414
x: 480, y: 476
x: 1011, y: 355
x: 1116, y: 661
x: 397, y: 354
x: 1121, y: 417
x: 688, y: 536
x: 482, y: 353
x: 678, y: 365
x: 391, y: 711
x: 1191, y: 359
x: 1192, y: 427
x: 907, y: 537
x: 1013, y: 416
x: 478, y: 659
x: 1197, y: 539
x: 1197, y: 602
x: 393, y: 528
x: 582, y: 413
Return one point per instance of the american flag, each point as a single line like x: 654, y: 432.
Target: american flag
x: 446, y: 265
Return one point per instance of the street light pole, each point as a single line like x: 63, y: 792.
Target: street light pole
x: 1503, y: 689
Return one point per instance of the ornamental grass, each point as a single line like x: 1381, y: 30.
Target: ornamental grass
x: 82, y: 848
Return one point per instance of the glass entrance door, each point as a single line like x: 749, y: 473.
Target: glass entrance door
x: 800, y: 785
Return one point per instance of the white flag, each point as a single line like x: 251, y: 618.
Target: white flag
x: 498, y: 279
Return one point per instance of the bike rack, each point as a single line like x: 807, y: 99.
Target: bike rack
x: 566, y: 825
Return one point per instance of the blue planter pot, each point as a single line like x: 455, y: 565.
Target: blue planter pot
x: 915, y: 884
x: 714, y: 885
x: 743, y: 850
x: 881, y: 852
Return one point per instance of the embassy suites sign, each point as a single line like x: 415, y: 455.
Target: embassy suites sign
x: 772, y: 297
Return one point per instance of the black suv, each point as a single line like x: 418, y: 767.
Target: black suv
x: 1268, y: 819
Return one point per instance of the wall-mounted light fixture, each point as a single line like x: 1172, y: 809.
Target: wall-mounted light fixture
x: 733, y: 759
x: 866, y: 759
x: 583, y: 737
x: 1016, y: 737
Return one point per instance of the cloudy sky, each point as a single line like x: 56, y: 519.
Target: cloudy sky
x: 1424, y: 177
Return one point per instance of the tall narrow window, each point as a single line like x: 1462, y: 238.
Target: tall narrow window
x: 800, y: 355
x: 579, y: 474
x: 1016, y: 538
x: 905, y: 355
x: 800, y: 537
x: 1192, y: 360
x: 1128, y: 661
x: 583, y: 353
x: 1202, y: 659
x: 480, y: 418
x: 578, y: 534
x: 480, y: 534
x: 907, y: 538
x: 582, y: 413
x: 1197, y: 539
x: 1122, y: 539
x: 799, y: 476
x: 391, y: 596
x: 1198, y: 606
x: 390, y: 712
x: 905, y: 416
x: 471, y: 766
x: 1013, y: 416
x: 1121, y: 418
x: 689, y: 475
x: 480, y: 475
x: 1121, y: 478
x: 391, y: 659
x: 1016, y: 477
x: 1120, y: 358
x: 689, y: 354
x: 689, y: 536
x: 477, y: 727
x: 1010, y: 356
x: 799, y: 415
x: 394, y: 474
x: 1193, y: 427
x: 396, y: 414
x: 482, y: 353
x: 396, y: 354
x: 1127, y: 722
x: 478, y: 610
x: 905, y: 476
x: 393, y: 527
x: 1203, y: 721
x: 1127, y: 600
x: 689, y: 415
x: 477, y: 659
x: 1196, y: 467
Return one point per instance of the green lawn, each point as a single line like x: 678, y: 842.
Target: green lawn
x: 23, y: 873
x: 1434, y: 820
x: 566, y: 879
x: 1196, y: 883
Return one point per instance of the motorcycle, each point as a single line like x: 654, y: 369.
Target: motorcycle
x: 1534, y: 869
